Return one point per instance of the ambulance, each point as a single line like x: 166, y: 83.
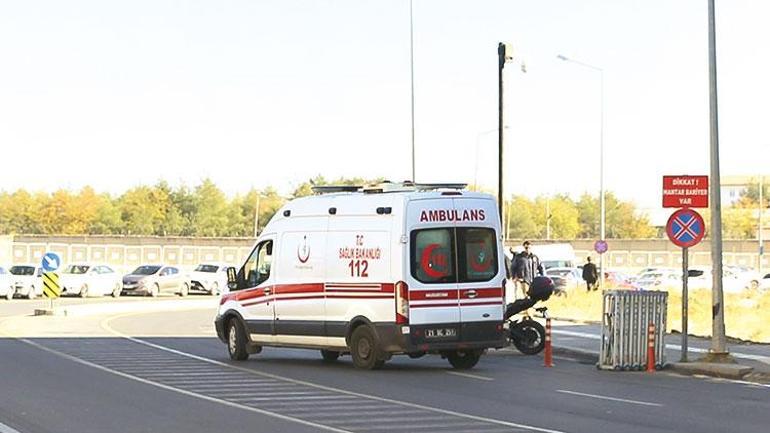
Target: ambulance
x: 372, y: 272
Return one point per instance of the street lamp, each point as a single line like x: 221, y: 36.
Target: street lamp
x: 601, y: 158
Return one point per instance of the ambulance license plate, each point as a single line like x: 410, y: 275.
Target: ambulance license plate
x: 440, y: 333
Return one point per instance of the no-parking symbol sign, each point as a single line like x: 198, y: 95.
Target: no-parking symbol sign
x: 685, y: 228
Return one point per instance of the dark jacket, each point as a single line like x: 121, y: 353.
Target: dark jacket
x: 526, y: 266
x: 589, y: 272
x: 508, y: 266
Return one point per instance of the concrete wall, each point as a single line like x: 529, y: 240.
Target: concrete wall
x: 637, y: 254
x: 127, y: 252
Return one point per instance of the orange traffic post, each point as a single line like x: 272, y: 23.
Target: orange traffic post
x: 548, y: 358
x: 651, y: 348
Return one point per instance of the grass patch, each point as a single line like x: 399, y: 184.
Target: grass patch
x: 746, y: 315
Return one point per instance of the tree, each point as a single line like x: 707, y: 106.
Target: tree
x: 211, y: 217
x: 142, y: 210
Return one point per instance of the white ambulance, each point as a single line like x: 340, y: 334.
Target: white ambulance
x: 371, y: 272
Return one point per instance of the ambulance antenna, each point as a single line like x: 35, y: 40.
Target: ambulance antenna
x: 329, y: 189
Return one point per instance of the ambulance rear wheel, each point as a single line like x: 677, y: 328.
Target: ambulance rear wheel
x: 364, y: 349
x: 236, y: 341
x: 464, y: 359
x: 330, y: 355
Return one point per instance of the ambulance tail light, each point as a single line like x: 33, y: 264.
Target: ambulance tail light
x: 402, y: 303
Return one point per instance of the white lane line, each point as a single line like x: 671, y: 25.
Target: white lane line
x: 470, y: 376
x: 105, y: 325
x: 181, y: 391
x: 760, y: 358
x: 5, y: 429
x: 603, y: 397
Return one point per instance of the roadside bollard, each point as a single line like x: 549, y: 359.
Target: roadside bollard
x: 650, y: 348
x: 548, y: 356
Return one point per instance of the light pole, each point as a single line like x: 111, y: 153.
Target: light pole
x: 602, y: 211
x: 411, y: 74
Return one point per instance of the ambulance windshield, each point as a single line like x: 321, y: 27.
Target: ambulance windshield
x: 435, y: 254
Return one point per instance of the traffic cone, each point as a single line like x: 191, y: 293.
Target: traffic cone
x: 548, y: 357
x: 651, y: 348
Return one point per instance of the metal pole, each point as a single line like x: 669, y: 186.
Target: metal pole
x: 759, y: 235
x: 601, y: 178
x: 685, y: 302
x: 500, y: 64
x: 256, y: 216
x: 718, y: 342
x: 411, y: 75
x: 548, y: 218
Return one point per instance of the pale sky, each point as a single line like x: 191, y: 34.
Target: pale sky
x: 256, y: 93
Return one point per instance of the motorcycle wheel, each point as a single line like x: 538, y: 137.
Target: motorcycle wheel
x: 528, y: 336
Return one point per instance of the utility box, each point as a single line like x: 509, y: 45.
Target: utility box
x: 626, y: 315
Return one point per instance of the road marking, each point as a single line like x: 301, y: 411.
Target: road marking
x: 182, y: 391
x: 105, y: 325
x: 602, y: 397
x: 471, y: 376
x: 5, y: 429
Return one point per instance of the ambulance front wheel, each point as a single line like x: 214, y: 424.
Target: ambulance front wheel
x: 464, y: 359
x: 236, y: 341
x: 365, y: 350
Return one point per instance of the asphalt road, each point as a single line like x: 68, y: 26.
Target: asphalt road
x: 161, y: 383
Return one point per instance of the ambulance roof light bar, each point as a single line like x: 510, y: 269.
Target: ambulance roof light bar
x: 329, y: 189
x: 387, y: 186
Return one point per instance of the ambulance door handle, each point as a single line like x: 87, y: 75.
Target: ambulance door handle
x: 471, y: 293
x: 267, y: 290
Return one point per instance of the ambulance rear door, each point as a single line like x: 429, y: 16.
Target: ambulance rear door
x: 434, y: 311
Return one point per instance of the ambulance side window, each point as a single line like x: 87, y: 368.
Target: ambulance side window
x: 256, y: 270
x: 432, y: 256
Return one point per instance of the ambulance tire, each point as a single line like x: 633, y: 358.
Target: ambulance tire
x: 464, y: 359
x: 364, y: 349
x: 236, y: 340
x: 330, y: 355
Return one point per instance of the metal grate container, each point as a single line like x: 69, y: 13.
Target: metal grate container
x: 625, y: 317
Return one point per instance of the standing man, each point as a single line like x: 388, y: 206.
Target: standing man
x: 590, y: 275
x: 525, y: 267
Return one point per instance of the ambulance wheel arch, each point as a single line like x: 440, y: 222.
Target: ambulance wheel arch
x: 355, y: 323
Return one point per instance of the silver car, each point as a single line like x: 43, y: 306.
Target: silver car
x: 156, y: 279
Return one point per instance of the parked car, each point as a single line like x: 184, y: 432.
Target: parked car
x: 657, y: 280
x: 6, y: 291
x: 565, y: 280
x: 27, y: 281
x: 90, y: 280
x: 764, y: 284
x: 209, y: 278
x: 156, y: 279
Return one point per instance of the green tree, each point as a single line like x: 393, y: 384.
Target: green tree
x: 211, y: 218
x: 142, y: 209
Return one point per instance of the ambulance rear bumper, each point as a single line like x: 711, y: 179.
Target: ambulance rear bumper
x: 441, y: 337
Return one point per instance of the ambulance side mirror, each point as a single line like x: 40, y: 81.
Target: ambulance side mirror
x: 232, y: 278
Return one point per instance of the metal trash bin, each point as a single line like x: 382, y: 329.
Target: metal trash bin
x: 625, y: 317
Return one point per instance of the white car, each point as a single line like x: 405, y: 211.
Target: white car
x: 764, y: 284
x: 564, y: 279
x: 27, y: 281
x: 655, y: 280
x: 6, y: 291
x: 90, y: 280
x: 210, y: 278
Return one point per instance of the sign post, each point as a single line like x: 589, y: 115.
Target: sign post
x: 51, y: 287
x: 685, y: 228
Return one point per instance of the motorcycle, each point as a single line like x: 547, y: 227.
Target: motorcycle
x: 526, y: 334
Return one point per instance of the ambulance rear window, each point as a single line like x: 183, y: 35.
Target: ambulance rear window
x: 435, y: 253
x: 478, y: 254
x: 433, y: 256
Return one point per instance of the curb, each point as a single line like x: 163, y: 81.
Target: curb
x: 724, y: 371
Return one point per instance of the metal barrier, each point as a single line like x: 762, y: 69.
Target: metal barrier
x: 626, y: 316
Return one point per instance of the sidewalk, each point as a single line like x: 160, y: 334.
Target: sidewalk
x: 582, y: 340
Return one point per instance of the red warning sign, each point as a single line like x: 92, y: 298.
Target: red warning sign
x: 685, y: 191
